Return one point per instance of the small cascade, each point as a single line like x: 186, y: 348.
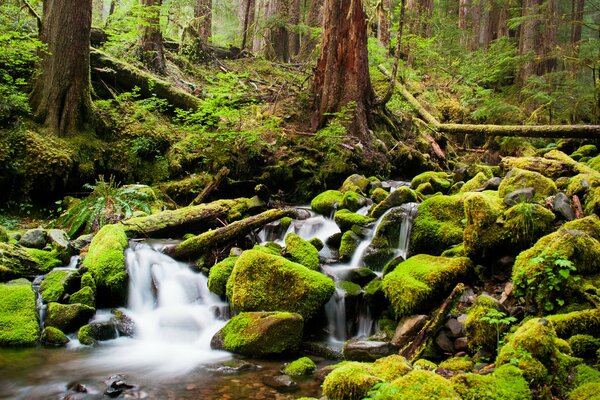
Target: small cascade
x: 412, y: 210
x: 335, y: 310
x: 365, y: 321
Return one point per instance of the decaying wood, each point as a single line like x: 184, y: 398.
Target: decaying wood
x: 545, y: 131
x: 415, y: 348
x: 118, y: 73
x: 200, y: 244
x: 214, y: 184
x: 577, y: 207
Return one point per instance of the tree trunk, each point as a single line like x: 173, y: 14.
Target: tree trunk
x: 258, y: 43
x: 313, y: 20
x: 203, y: 15
x: 527, y: 39
x: 277, y: 37
x: 341, y: 77
x: 247, y: 23
x: 294, y: 22
x: 61, y: 92
x: 383, y: 28
x: 549, y: 35
x: 577, y: 21
x: 151, y: 42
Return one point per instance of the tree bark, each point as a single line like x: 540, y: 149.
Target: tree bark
x: 247, y: 21
x: 212, y: 186
x: 577, y: 21
x: 151, y: 41
x: 258, y: 43
x: 341, y: 77
x: 277, y: 37
x: 527, y: 39
x: 61, y: 92
x: 313, y: 20
x: 383, y: 28
x: 203, y: 15
x: 294, y: 21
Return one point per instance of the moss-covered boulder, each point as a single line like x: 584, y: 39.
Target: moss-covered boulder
x: 52, y: 336
x: 327, y: 202
x: 68, y: 317
x: 302, y: 252
x: 576, y: 322
x: 85, y: 296
x: 94, y: 332
x: 265, y: 282
x: 219, y: 274
x: 415, y: 282
x: 584, y: 375
x: 18, y: 314
x: 438, y: 225
x: 348, y: 245
x: 55, y: 284
x: 588, y: 391
x: 260, y: 334
x: 481, y: 333
x: 355, y: 183
x: 378, y: 195
x: 477, y: 182
x: 106, y: 262
x: 439, y: 181
x: 3, y: 235
x: 353, y: 201
x: 396, y: 198
x: 418, y: 384
x: 588, y: 150
x: 346, y: 219
x: 300, y: 367
x: 457, y: 364
x: 520, y: 179
x: 483, y: 235
x: 527, y: 222
x: 505, y: 383
x: 581, y: 184
x: 18, y: 261
x: 584, y: 346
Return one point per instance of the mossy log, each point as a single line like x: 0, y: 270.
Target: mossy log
x: 206, y: 241
x: 545, y: 131
x: 115, y: 72
x: 212, y: 186
x: 189, y: 219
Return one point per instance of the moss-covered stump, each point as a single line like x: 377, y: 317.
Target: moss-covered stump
x: 354, y: 380
x: 481, y: 334
x: 18, y: 314
x: 438, y: 225
x: 483, y: 236
x: 265, y: 282
x: 105, y: 260
x: 547, y: 273
x: 418, y: 384
x: 219, y: 274
x: 55, y: 285
x: 259, y: 334
x: 302, y: 252
x: 300, y: 367
x: 422, y: 278
x: 505, y: 383
x: 327, y: 202
x: 17, y: 261
x: 439, y: 181
x: 400, y: 196
x: 91, y: 334
x: 52, y: 336
x: 520, y: 179
x: 85, y: 296
x: 68, y: 317
x: 346, y: 219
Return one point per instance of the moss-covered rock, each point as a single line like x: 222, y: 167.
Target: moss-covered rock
x: 106, y: 261
x: 576, y: 322
x: 300, y: 367
x: 3, y: 235
x: 327, y: 202
x: 52, y: 288
x: 348, y: 245
x: 505, y: 383
x: 584, y: 346
x: 346, y: 219
x: 477, y: 182
x: 588, y: 391
x: 261, y: 281
x: 396, y: 198
x: 355, y: 183
x: 68, y: 317
x: 439, y: 181
x: 481, y: 334
x: 85, y: 296
x: 353, y: 201
x: 455, y: 251
x: 17, y: 261
x: 52, y: 336
x: 87, y: 280
x: 458, y: 364
x: 219, y: 274
x: 418, y: 384
x: 18, y: 314
x: 584, y: 374
x: 588, y: 150
x: 421, y: 278
x: 581, y: 184
x: 302, y: 252
x: 378, y: 195
x: 438, y: 225
x: 260, y: 333
x: 424, y: 364
x: 483, y: 236
x: 527, y: 222
x: 520, y: 178
x: 94, y: 332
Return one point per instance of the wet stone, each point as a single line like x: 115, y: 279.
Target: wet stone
x: 281, y: 383
x: 444, y: 342
x: 455, y: 327
x: 524, y: 195
x: 563, y: 206
x: 34, y: 238
x: 365, y: 350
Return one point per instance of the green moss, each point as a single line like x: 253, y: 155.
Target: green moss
x: 483, y: 236
x: 351, y: 289
x: 520, y: 178
x: 18, y: 314
x: 3, y: 234
x: 269, y: 248
x: 505, y: 383
x: 285, y: 223
x: 219, y: 274
x: 425, y: 365
x: 588, y: 150
x: 590, y: 225
x: 458, y: 364
x: 87, y: 280
x: 106, y: 261
x: 527, y: 222
x: 589, y: 391
x: 68, y: 317
x: 585, y: 374
x: 584, y: 346
x: 594, y: 163
x: 353, y: 201
x: 481, y: 334
x: 300, y: 367
x: 85, y: 296
x: 477, y: 182
x: 53, y: 286
x: 316, y: 243
x: 400, y: 196
x: 302, y: 252
x: 577, y: 322
x: 438, y: 224
x: 425, y: 189
x: 47, y: 260
x: 84, y: 335
x: 327, y: 202
x: 261, y: 281
x: 439, y: 181
x: 346, y: 219
x: 582, y: 183
x: 418, y: 384
x: 54, y: 337
x: 592, y: 201
x: 379, y: 194
x: 355, y: 182
x: 455, y: 251
x: 351, y: 381
x: 419, y: 279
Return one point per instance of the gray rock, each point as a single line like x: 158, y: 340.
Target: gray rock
x: 456, y: 328
x: 362, y: 276
x: 366, y: 350
x: 34, y: 238
x: 327, y: 350
x: 461, y: 343
x: 444, y: 342
x: 523, y: 195
x: 59, y: 239
x: 563, y: 206
x: 124, y: 323
x: 492, y: 183
x: 407, y: 329
x: 281, y: 383
x: 82, y: 241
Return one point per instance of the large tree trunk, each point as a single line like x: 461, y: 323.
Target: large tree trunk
x: 577, y: 21
x: 203, y: 15
x: 313, y: 20
x: 259, y: 32
x: 383, y: 28
x: 527, y: 39
x: 277, y: 37
x: 247, y: 23
x: 61, y: 92
x: 342, y: 73
x: 151, y: 41
x: 294, y: 21
x: 549, y: 36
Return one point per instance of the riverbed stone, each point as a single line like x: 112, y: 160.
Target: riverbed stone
x: 93, y: 332
x: 68, y: 317
x: 34, y: 238
x: 52, y: 336
x: 301, y: 251
x: 18, y: 314
x: 520, y: 178
x: 361, y: 276
x: 367, y: 350
x: 396, y: 198
x: 281, y: 383
x: 260, y: 334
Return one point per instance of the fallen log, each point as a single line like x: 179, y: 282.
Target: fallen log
x: 213, y: 185
x: 200, y: 244
x: 544, y: 131
x: 414, y: 349
x: 120, y: 74
x: 190, y: 219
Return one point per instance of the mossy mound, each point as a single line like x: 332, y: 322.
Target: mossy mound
x: 527, y: 222
x: 584, y: 346
x: 481, y: 334
x: 348, y: 245
x: 483, y: 236
x: 505, y: 383
x: 68, y: 317
x: 85, y: 296
x: 266, y: 282
x: 327, y: 202
x: 219, y: 274
x: 581, y: 184
x: 438, y: 225
x: 302, y: 252
x: 260, y: 334
x: 576, y: 322
x: 379, y: 194
x: 588, y: 150
x: 439, y: 181
x: 106, y: 261
x: 17, y: 261
x: 346, y: 219
x: 584, y: 374
x: 353, y: 201
x: 52, y: 336
x: 416, y: 281
x: 589, y: 391
x: 458, y: 364
x: 355, y: 183
x: 477, y: 182
x: 300, y: 367
x: 3, y: 235
x: 520, y: 179
x: 53, y: 286
x: 400, y: 196
x: 416, y: 385
x: 425, y: 365
x: 18, y: 314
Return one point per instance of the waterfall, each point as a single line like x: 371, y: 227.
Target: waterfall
x: 335, y: 310
x: 406, y: 228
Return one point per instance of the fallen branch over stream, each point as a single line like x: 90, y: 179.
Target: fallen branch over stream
x: 545, y: 131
